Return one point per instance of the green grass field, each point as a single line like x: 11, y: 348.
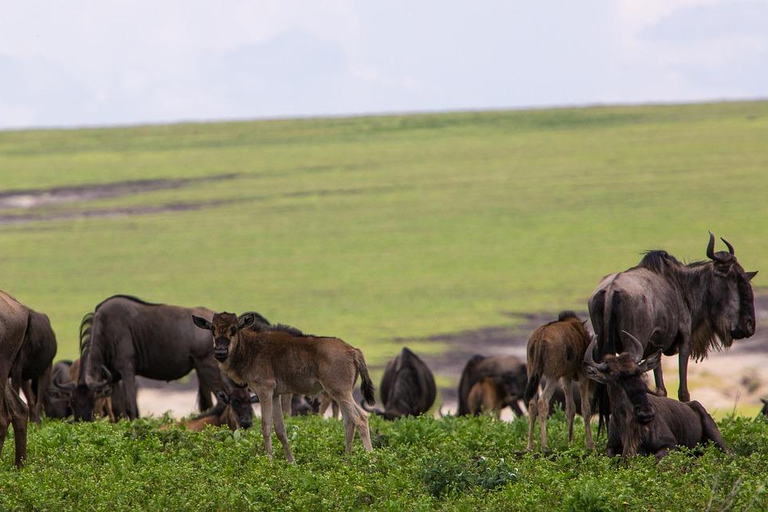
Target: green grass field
x: 376, y: 228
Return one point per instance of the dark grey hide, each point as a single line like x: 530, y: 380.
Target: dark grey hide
x: 34, y: 362
x: 407, y: 387
x: 510, y: 368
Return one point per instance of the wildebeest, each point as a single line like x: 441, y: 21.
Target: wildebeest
x: 556, y: 351
x: 301, y: 405
x: 764, y: 410
x: 32, y: 367
x: 62, y: 399
x: 284, y: 360
x: 234, y: 409
x: 407, y: 387
x: 641, y: 422
x: 130, y: 337
x: 511, y: 368
x: 675, y: 308
x: 56, y: 403
x: 14, y: 322
x: 492, y: 394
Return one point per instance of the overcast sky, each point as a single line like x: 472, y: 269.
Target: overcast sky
x: 107, y: 62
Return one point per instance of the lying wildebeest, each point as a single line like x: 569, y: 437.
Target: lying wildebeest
x: 234, y: 409
x: 14, y: 322
x: 510, y: 368
x: 62, y: 400
x: 556, y: 351
x: 130, y: 337
x: 407, y: 387
x: 641, y: 422
x: 32, y: 367
x: 675, y: 308
x: 283, y: 360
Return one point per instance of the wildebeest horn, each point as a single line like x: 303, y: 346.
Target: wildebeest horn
x: 711, y: 247
x: 730, y: 247
x: 637, y: 347
x: 589, y: 355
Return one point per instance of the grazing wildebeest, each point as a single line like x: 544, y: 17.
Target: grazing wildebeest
x: 64, y: 399
x: 32, y: 367
x: 641, y: 422
x: 479, y: 367
x: 556, y: 351
x: 234, y: 409
x: 675, y: 308
x: 130, y: 337
x: 492, y: 394
x: 764, y: 410
x: 14, y: 322
x: 56, y: 400
x: 282, y: 361
x: 407, y: 387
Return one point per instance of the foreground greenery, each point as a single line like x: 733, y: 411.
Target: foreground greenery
x: 418, y: 464
x: 378, y: 228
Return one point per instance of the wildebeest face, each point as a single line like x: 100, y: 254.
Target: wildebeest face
x: 241, y: 401
x: 224, y: 328
x: 83, y: 402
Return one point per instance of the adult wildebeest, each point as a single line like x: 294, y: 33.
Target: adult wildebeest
x: 407, y: 387
x: 62, y: 400
x: 32, y: 367
x: 675, y: 308
x: 510, y: 368
x: 234, y: 409
x: 556, y: 351
x: 641, y: 422
x: 283, y: 360
x: 14, y: 322
x: 301, y: 405
x: 492, y: 394
x: 130, y: 337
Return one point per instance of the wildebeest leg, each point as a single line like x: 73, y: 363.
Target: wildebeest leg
x: 352, y: 413
x: 285, y: 403
x: 19, y: 414
x: 42, y: 388
x: 709, y: 427
x: 209, y: 381
x: 265, y: 399
x: 516, y: 408
x: 658, y: 377
x: 277, y: 414
x: 570, y: 406
x: 544, y: 398
x: 585, y: 388
x: 334, y: 409
x: 685, y: 351
x: 532, y: 413
x: 26, y: 388
x: 129, y: 394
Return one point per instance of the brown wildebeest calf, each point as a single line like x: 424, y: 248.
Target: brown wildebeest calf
x: 556, y: 351
x: 642, y: 422
x: 14, y: 321
x: 234, y: 409
x: 492, y: 394
x: 283, y: 360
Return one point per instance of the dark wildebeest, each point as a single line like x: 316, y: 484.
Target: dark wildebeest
x: 56, y: 403
x: 510, y: 368
x: 14, y: 322
x: 32, y: 367
x: 407, y: 387
x: 130, y: 337
x: 283, y: 361
x: 556, y: 351
x: 675, y: 308
x: 641, y: 422
x: 234, y: 410
x: 62, y: 399
x: 492, y: 394
x: 764, y: 410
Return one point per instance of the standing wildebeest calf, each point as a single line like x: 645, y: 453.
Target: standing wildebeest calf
x: 675, y: 308
x: 556, y: 351
x: 407, y: 387
x: 283, y: 360
x: 509, y: 368
x: 130, y: 337
x: 14, y: 322
x: 641, y: 422
x: 233, y: 410
x: 32, y: 368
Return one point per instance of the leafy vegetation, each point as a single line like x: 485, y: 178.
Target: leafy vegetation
x: 417, y: 464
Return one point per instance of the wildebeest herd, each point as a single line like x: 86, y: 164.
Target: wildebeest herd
x: 661, y: 306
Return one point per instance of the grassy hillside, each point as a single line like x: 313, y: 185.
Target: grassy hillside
x: 379, y: 228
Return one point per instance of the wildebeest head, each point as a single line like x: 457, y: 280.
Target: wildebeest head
x: 623, y: 374
x: 224, y: 328
x: 730, y: 297
x: 240, y: 401
x: 81, y: 396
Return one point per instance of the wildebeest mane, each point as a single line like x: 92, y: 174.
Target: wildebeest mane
x: 290, y: 330
x: 128, y: 297
x: 86, y: 327
x: 659, y: 261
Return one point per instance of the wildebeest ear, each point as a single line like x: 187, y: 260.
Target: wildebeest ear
x: 595, y: 374
x: 222, y: 396
x: 246, y: 321
x: 254, y: 399
x: 750, y: 275
x: 202, y: 323
x: 650, y: 362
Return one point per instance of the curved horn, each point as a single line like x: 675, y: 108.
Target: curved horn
x: 730, y: 247
x: 711, y: 247
x: 589, y: 355
x: 637, y: 347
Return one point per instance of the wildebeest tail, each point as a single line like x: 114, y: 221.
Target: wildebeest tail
x: 610, y: 331
x: 366, y: 386
x: 535, y: 366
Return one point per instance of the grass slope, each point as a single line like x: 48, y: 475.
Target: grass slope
x: 384, y: 227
